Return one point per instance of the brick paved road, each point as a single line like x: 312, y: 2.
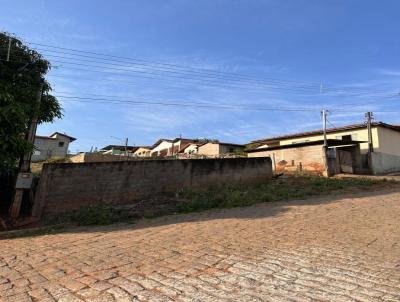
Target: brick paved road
x: 324, y: 250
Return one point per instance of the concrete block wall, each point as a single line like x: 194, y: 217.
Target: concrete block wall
x: 65, y: 187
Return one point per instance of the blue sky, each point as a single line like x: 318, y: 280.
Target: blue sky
x: 351, y: 47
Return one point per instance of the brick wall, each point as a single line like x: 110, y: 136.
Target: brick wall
x: 306, y: 158
x: 65, y: 187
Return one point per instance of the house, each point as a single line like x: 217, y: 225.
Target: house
x: 161, y: 147
x: 142, y: 151
x: 347, y: 147
x: 118, y: 150
x: 189, y: 149
x: 54, y: 145
x: 218, y: 149
x: 168, y: 147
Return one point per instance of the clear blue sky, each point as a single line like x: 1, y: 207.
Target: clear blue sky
x: 350, y: 46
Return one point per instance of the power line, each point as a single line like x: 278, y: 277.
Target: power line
x: 180, y: 104
x: 107, y: 67
x: 353, y: 104
x: 155, y: 76
x: 138, y: 73
x: 153, y: 62
x: 184, y: 68
x: 71, y: 95
x: 202, y: 105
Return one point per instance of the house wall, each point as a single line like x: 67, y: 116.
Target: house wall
x: 161, y: 146
x: 191, y: 149
x: 307, y: 158
x: 209, y: 149
x: 46, y: 148
x: 386, y: 157
x: 142, y: 152
x: 65, y: 187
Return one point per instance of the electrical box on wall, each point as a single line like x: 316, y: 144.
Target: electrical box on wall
x: 24, y: 181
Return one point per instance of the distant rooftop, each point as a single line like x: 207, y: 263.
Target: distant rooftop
x: 52, y: 136
x: 330, y: 130
x: 330, y: 142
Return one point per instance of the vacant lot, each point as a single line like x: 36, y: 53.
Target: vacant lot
x: 326, y: 249
x: 226, y: 196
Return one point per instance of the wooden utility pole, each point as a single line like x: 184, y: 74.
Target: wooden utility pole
x: 126, y: 147
x: 24, y: 179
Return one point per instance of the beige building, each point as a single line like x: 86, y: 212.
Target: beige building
x: 217, y: 149
x: 54, y: 145
x: 290, y: 150
x: 142, y: 152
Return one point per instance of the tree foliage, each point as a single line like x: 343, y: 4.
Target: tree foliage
x: 20, y: 79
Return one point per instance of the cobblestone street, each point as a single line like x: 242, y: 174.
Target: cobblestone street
x: 331, y: 249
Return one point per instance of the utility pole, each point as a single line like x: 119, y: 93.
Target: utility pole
x: 325, y: 147
x: 126, y: 146
x: 24, y: 178
x: 369, y: 116
x: 324, y: 113
x: 9, y: 49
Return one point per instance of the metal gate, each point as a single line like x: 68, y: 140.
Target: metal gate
x: 345, y: 161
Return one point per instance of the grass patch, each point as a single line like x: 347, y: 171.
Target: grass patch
x: 230, y: 196
x: 93, y: 215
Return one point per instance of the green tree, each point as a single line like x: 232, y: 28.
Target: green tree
x: 20, y: 79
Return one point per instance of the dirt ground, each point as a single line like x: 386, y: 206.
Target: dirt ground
x: 325, y: 249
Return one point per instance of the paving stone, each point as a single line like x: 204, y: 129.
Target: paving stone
x: 302, y: 251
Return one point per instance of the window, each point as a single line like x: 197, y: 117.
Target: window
x: 38, y: 142
x: 61, y: 144
x: 346, y: 138
x: 230, y: 150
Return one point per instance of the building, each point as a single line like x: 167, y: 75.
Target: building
x: 142, y: 151
x: 311, y: 157
x: 161, y: 148
x: 190, y: 150
x: 118, y: 150
x: 218, y: 149
x: 168, y: 147
x: 303, y: 149
x: 54, y: 145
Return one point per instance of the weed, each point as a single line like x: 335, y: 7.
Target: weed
x: 93, y: 215
x: 228, y: 196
